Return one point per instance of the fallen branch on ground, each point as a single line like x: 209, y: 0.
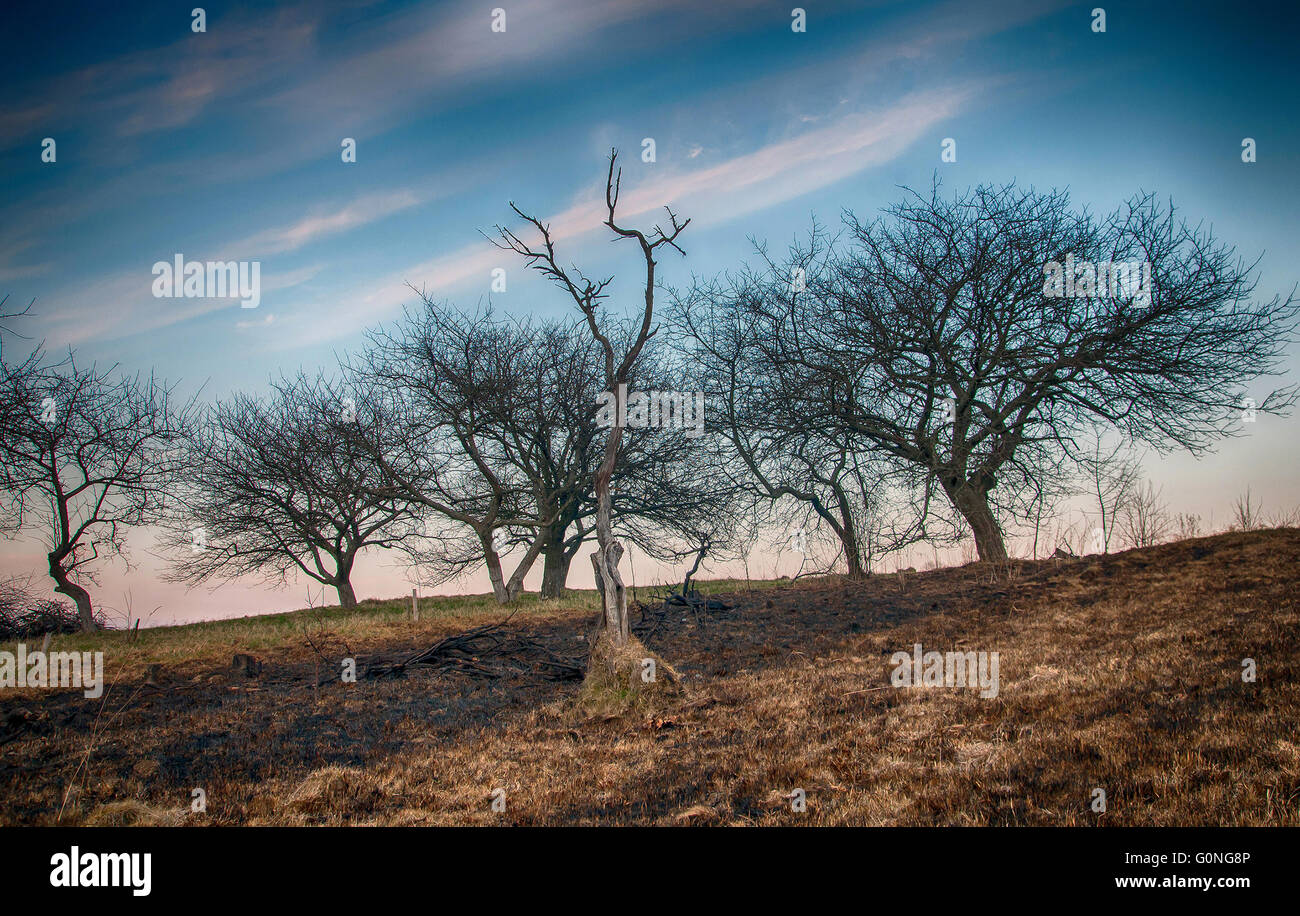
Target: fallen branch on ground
x: 489, y: 652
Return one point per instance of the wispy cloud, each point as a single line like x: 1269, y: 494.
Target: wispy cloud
x: 293, y: 68
x: 784, y: 170
x: 123, y: 304
x: 264, y: 322
x: 168, y: 86
x: 13, y: 251
x: 330, y: 221
x: 712, y: 195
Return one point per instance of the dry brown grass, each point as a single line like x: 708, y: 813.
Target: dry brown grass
x: 1119, y: 672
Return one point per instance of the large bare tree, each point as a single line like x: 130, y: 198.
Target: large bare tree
x: 941, y: 334
x: 467, y: 404
x: 280, y: 484
x: 492, y: 427
x: 84, y: 458
x: 811, y: 474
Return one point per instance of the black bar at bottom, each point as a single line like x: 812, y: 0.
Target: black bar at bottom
x: 379, y: 866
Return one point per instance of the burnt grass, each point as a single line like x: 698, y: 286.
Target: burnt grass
x: 1121, y: 672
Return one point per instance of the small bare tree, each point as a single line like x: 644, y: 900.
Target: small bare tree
x: 1144, y: 519
x: 1188, y: 525
x: 1284, y: 518
x: 588, y: 295
x: 1110, y: 482
x: 1246, y: 513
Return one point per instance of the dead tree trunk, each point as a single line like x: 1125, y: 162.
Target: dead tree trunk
x: 588, y: 295
x: 609, y: 551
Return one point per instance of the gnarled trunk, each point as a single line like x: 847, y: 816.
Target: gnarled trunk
x: 972, y: 502
x: 848, y: 534
x: 64, y: 585
x: 507, y: 591
x: 343, y: 579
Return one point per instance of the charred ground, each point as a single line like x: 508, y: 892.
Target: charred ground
x: 1121, y: 672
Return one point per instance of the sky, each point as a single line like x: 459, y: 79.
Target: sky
x: 226, y: 144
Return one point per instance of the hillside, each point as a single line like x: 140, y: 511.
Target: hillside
x: 1121, y: 672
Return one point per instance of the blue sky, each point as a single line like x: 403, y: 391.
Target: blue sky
x: 226, y: 145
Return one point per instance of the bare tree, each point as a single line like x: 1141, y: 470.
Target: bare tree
x: 949, y: 346
x: 1144, y: 518
x: 471, y: 427
x: 84, y: 459
x: 493, y: 429
x: 1284, y: 518
x: 708, y: 537
x: 1110, y: 481
x: 1039, y: 493
x: 1188, y: 525
x: 619, y: 363
x: 1246, y: 514
x: 769, y: 443
x: 278, y: 485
